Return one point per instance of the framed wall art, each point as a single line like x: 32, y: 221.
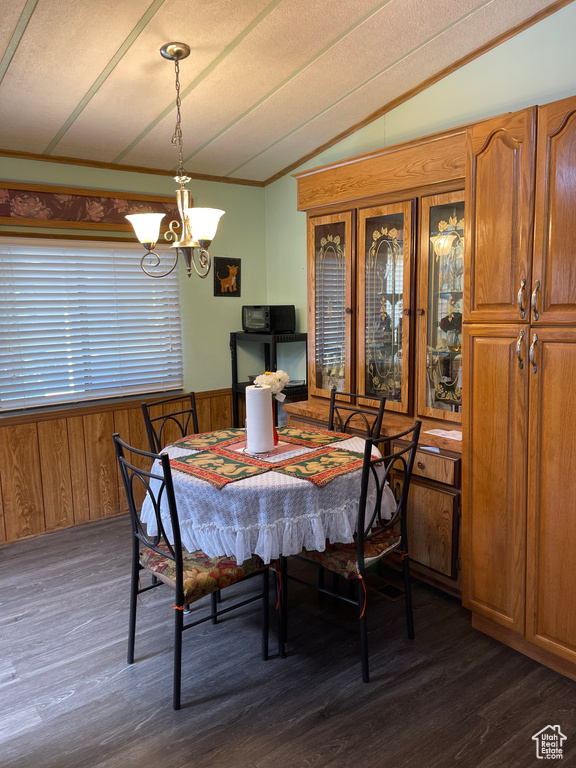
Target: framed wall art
x: 227, y: 276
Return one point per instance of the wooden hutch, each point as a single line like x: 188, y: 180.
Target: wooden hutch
x: 403, y: 257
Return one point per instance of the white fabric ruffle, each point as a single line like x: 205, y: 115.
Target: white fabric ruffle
x: 269, y: 515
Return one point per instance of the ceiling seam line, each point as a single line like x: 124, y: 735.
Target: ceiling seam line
x: 292, y: 75
x: 17, y: 34
x: 202, y: 76
x: 362, y: 85
x: 97, y: 84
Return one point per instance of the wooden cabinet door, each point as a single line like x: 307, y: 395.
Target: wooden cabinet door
x: 439, y: 307
x: 554, y: 263
x: 551, y: 582
x: 330, y: 303
x: 385, y: 279
x: 499, y: 218
x: 433, y: 527
x: 494, y: 472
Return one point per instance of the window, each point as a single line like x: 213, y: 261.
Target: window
x: 81, y: 322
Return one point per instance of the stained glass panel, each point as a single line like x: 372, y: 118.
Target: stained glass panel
x: 384, y: 280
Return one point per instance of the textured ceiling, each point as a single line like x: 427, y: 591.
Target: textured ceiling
x: 266, y: 85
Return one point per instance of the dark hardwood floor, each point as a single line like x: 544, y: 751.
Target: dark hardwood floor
x: 451, y: 697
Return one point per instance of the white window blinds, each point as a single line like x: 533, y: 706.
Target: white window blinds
x: 81, y: 322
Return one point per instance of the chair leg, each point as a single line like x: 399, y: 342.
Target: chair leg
x: 265, y: 613
x: 335, y: 583
x: 321, y: 585
x: 214, y: 606
x: 177, y: 681
x: 283, y: 607
x: 133, y: 606
x: 363, y: 634
x: 408, y: 596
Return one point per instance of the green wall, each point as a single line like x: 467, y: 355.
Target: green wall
x: 206, y: 320
x: 535, y: 67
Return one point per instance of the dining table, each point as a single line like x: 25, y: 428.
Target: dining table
x: 303, y: 493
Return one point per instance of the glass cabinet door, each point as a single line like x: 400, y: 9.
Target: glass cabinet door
x: 330, y: 303
x: 384, y: 280
x: 440, y: 307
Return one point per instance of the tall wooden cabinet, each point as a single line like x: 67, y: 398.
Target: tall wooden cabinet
x: 519, y: 489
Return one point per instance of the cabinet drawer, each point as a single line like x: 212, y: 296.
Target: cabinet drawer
x: 434, y: 466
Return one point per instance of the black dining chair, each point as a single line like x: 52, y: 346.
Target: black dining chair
x: 190, y: 575
x: 376, y: 535
x: 350, y: 416
x: 173, y: 423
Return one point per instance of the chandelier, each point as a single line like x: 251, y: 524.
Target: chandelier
x: 197, y: 225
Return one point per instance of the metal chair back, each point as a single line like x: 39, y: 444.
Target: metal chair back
x: 171, y: 425
x: 393, y: 468
x: 351, y: 417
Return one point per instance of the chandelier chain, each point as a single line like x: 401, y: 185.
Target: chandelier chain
x: 177, y: 138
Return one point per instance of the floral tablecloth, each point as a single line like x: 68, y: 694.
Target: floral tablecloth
x: 268, y: 514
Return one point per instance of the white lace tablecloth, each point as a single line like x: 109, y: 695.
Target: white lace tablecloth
x: 269, y: 515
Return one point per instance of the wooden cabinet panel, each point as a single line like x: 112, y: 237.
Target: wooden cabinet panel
x: 21, y: 481
x: 55, y: 470
x: 221, y: 412
x: 101, y: 465
x: 78, y: 475
x: 494, y: 470
x: 2, y: 521
x: 551, y: 522
x: 499, y: 217
x: 122, y: 426
x: 412, y: 165
x: 138, y: 438
x: 555, y: 223
x: 433, y: 527
x: 204, y: 417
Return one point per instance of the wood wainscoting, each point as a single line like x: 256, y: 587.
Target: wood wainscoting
x: 58, y: 469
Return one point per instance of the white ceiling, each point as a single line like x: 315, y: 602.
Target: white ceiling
x: 267, y: 84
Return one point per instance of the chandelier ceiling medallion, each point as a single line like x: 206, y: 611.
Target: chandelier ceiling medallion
x: 197, y: 225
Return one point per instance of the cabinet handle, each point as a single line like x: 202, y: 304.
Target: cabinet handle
x: 420, y: 465
x: 348, y: 311
x: 533, y: 353
x: 519, y: 350
x: 407, y: 312
x: 521, y: 306
x: 420, y: 311
x: 535, y: 312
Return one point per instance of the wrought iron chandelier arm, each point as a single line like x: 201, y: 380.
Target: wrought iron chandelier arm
x: 205, y: 262
x: 155, y: 262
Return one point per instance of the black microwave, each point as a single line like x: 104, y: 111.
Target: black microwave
x: 269, y: 318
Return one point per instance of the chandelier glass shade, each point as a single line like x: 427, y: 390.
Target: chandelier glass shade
x: 193, y: 234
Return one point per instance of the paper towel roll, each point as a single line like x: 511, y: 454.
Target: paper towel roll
x: 259, y: 425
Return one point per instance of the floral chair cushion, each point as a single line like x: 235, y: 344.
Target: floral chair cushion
x: 202, y: 574
x: 343, y: 558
